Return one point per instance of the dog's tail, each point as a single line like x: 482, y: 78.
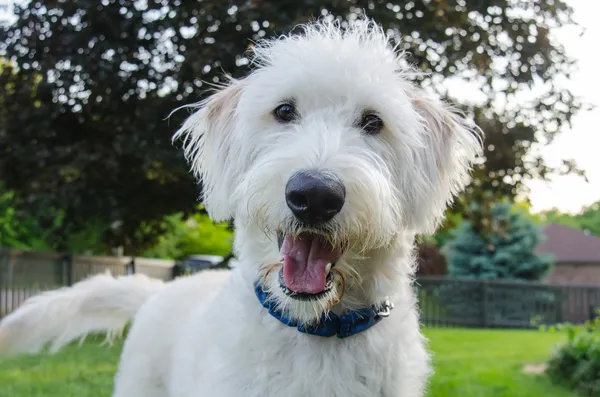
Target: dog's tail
x: 101, y: 303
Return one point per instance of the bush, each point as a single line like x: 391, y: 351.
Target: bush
x: 430, y: 260
x: 576, y: 363
x: 196, y: 234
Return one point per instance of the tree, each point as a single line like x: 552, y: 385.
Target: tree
x: 588, y: 219
x: 19, y: 229
x: 501, y: 249
x: 93, y: 136
x: 524, y: 207
x: 554, y: 215
x: 505, y: 250
x: 188, y: 236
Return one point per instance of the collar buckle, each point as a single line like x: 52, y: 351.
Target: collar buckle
x: 385, y: 309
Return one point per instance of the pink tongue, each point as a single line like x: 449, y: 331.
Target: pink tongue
x: 304, y: 260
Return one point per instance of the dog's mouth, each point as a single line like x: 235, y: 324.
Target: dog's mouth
x: 307, y: 262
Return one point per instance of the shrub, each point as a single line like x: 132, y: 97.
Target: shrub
x: 576, y: 363
x: 196, y: 234
x: 430, y: 260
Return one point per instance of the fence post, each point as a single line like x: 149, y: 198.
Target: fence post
x: 484, y: 303
x: 68, y: 269
x: 130, y: 267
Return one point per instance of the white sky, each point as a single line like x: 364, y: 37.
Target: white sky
x: 582, y: 142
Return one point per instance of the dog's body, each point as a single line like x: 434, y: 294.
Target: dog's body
x: 331, y: 162
x: 186, y: 342
x: 194, y: 341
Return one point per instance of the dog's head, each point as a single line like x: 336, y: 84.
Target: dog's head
x: 324, y: 154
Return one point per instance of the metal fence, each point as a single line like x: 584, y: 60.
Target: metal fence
x: 443, y: 301
x: 453, y: 302
x: 27, y: 273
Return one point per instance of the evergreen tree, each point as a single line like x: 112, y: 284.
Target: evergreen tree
x: 497, y: 241
x: 501, y: 248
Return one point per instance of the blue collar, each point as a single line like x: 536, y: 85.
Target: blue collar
x: 343, y: 326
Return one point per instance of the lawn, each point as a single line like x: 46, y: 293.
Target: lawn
x: 468, y: 364
x: 489, y: 363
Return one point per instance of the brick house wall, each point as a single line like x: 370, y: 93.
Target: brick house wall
x: 575, y: 273
x: 576, y: 254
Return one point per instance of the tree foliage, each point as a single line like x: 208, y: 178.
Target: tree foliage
x: 18, y: 229
x: 37, y: 230
x: 575, y: 363
x: 84, y: 115
x: 189, y: 236
x: 504, y: 249
x: 500, y: 246
x: 588, y: 219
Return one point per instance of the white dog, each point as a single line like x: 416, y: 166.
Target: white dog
x: 331, y: 162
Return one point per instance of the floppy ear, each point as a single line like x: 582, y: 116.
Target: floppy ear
x: 451, y: 148
x: 208, y: 145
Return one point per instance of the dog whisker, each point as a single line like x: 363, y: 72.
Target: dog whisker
x: 269, y: 269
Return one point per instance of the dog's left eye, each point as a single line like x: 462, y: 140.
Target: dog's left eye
x: 285, y: 113
x: 371, y: 124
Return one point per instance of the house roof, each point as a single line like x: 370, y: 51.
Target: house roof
x: 570, y: 245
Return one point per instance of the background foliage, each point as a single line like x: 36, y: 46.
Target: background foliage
x: 496, y: 241
x: 576, y: 362
x: 588, y: 219
x: 188, y: 236
x: 88, y: 87
x: 503, y: 249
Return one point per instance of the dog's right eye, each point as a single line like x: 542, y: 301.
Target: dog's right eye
x: 285, y: 113
x: 371, y: 124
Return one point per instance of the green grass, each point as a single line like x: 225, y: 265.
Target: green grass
x: 85, y: 371
x: 476, y: 363
x: 468, y: 364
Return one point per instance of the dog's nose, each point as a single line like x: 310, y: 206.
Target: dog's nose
x: 314, y: 197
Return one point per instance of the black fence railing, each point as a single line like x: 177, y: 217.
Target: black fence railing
x: 454, y: 302
x: 443, y: 301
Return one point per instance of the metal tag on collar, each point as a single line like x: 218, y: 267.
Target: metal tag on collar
x: 385, y: 309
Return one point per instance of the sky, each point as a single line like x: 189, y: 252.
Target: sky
x: 582, y: 141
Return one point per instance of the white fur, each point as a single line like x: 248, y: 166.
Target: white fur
x: 207, y: 335
x: 98, y: 304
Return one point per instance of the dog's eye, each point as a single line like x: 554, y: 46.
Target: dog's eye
x: 371, y: 124
x: 285, y: 113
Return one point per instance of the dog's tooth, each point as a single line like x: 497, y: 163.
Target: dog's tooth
x: 327, y: 268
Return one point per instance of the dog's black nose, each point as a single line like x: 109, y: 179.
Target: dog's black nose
x: 314, y: 197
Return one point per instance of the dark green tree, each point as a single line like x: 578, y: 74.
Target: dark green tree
x: 504, y: 249
x: 84, y: 115
x: 18, y: 229
x: 499, y: 245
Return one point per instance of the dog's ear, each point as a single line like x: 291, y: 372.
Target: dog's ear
x: 208, y: 145
x: 452, y: 147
